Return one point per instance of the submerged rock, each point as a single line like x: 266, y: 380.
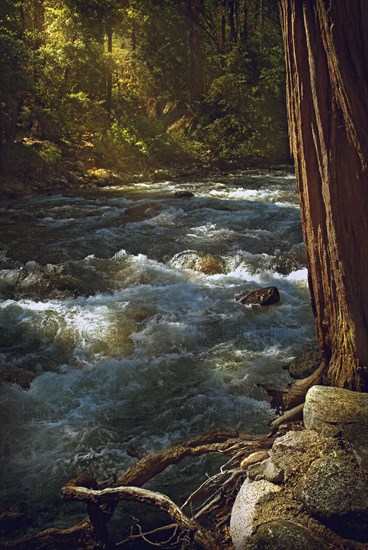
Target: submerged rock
x: 260, y: 296
x: 16, y: 375
x: 206, y: 263
x: 14, y: 519
x: 286, y: 535
x: 138, y: 212
x: 209, y: 265
x: 244, y: 509
x: 339, y: 412
x: 333, y: 491
x: 184, y: 194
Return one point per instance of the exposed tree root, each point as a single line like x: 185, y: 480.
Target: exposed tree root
x: 213, y: 499
x: 203, y: 537
x: 218, y: 493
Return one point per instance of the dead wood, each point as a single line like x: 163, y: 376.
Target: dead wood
x: 84, y: 534
x: 289, y: 416
x: 206, y: 539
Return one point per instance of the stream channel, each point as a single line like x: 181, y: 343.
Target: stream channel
x: 121, y: 302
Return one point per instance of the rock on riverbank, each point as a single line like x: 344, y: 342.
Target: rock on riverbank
x: 319, y: 499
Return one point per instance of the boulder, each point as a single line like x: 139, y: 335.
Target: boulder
x: 138, y: 212
x: 333, y: 491
x: 160, y: 175
x: 184, y: 194
x: 260, y: 296
x: 295, y: 451
x: 307, y: 360
x: 244, y: 509
x: 267, y: 470
x: 16, y: 375
x: 286, y: 535
x: 14, y: 519
x: 209, y: 265
x: 335, y: 411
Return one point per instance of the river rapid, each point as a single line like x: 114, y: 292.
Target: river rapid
x: 121, y: 302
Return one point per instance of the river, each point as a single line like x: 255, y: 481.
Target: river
x: 121, y: 302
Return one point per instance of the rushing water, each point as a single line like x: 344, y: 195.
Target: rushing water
x: 121, y: 302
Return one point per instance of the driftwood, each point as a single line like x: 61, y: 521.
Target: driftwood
x: 102, y: 499
x: 208, y: 540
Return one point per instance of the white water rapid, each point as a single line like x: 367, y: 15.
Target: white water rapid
x: 121, y: 304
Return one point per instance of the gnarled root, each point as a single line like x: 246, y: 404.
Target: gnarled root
x: 102, y: 499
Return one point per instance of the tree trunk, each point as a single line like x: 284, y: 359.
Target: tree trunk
x: 109, y: 72
x: 244, y: 22
x: 326, y: 49
x: 195, y: 9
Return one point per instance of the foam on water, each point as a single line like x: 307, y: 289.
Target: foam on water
x: 154, y: 349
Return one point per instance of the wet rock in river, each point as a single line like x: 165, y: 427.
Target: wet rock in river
x: 209, y: 265
x: 184, y: 194
x: 260, y: 296
x: 14, y: 519
x: 16, y: 375
x: 138, y: 212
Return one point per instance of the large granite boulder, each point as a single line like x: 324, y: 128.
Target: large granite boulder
x: 294, y: 452
x: 334, y: 491
x: 244, y: 509
x: 338, y: 412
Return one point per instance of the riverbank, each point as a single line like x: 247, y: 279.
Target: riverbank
x: 310, y: 489
x: 39, y: 167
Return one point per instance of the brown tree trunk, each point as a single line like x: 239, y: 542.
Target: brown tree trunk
x: 195, y: 9
x: 326, y: 49
x: 109, y: 72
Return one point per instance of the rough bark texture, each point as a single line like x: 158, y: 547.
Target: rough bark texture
x: 326, y: 49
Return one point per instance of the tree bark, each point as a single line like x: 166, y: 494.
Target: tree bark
x: 326, y: 50
x: 109, y: 72
x: 195, y: 9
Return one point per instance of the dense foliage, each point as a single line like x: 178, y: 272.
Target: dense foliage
x: 145, y: 82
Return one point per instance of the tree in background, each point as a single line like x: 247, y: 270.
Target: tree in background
x: 326, y: 46
x: 146, y: 82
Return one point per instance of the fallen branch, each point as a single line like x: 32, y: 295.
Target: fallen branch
x: 223, y: 441
x: 289, y: 416
x: 205, y: 538
x: 144, y: 536
x: 84, y: 534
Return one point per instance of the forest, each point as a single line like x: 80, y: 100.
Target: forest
x: 134, y: 85
x: 184, y: 319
